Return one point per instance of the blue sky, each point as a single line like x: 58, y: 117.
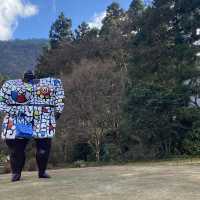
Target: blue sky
x: 38, y: 25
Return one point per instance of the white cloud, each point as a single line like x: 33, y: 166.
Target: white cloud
x: 96, y: 21
x: 10, y: 11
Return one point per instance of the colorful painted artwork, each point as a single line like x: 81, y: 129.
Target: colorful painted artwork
x: 33, y: 104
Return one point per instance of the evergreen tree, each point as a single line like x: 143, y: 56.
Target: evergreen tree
x: 187, y: 19
x: 133, y: 17
x: 82, y: 31
x: 92, y: 33
x: 159, y: 67
x: 135, y: 10
x: 61, y: 31
x: 113, y: 19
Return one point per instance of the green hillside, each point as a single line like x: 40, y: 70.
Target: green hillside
x: 18, y: 55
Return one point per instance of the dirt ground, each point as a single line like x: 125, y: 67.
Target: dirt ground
x: 130, y: 182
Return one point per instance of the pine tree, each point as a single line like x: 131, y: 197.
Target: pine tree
x: 133, y: 18
x: 188, y: 19
x: 82, y: 31
x: 162, y: 60
x: 113, y: 19
x: 136, y: 8
x: 61, y: 31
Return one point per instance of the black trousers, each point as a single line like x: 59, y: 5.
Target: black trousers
x: 17, y: 149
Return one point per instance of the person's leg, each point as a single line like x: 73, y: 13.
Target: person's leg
x: 42, y: 156
x: 17, y: 156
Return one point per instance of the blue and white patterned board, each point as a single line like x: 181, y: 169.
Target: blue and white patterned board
x: 34, y: 103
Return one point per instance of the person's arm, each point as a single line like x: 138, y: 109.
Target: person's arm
x: 59, y: 98
x: 4, y: 98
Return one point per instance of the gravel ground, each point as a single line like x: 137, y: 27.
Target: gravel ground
x: 129, y: 182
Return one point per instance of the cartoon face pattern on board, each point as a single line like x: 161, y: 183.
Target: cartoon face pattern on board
x: 33, y: 104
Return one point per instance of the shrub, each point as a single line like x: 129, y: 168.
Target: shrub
x: 80, y: 164
x: 7, y: 169
x: 31, y: 165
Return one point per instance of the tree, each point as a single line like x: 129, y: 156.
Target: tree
x: 82, y: 31
x: 159, y: 67
x: 93, y: 109
x: 113, y: 19
x: 134, y: 15
x: 61, y: 31
x: 136, y: 7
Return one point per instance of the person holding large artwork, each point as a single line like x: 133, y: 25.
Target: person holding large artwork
x: 32, y: 107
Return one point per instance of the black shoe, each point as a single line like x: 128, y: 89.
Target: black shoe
x: 15, y: 177
x: 44, y: 175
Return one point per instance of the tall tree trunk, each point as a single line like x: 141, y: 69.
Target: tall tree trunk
x: 98, y: 150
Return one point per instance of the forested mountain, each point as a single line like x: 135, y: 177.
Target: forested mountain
x: 19, y: 55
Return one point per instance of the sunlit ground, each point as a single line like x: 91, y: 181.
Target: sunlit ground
x: 155, y: 181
